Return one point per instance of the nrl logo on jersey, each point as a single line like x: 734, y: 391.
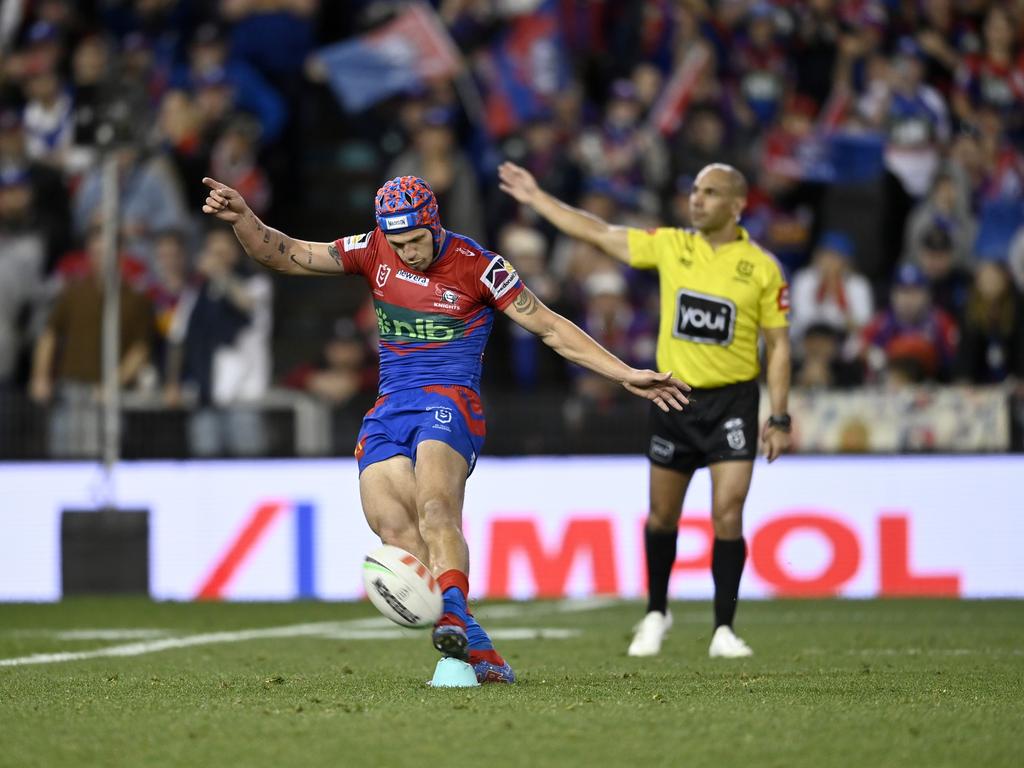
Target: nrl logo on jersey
x: 499, y: 277
x: 355, y: 242
x: 409, y: 277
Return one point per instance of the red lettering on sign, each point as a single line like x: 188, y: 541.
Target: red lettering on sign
x: 698, y: 528
x: 550, y: 569
x: 844, y: 562
x: 895, y: 578
x: 690, y: 529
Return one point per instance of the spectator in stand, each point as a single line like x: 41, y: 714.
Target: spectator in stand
x: 240, y: 85
x: 761, y: 69
x: 703, y: 140
x: 947, y: 206
x: 533, y: 365
x: 344, y: 373
x: 829, y: 292
x: 993, y: 78
x: 66, y: 365
x: 180, y: 132
x: 49, y: 118
x: 53, y: 216
x: 94, y: 95
x: 992, y: 334
x: 617, y: 326
x: 948, y: 282
x: 822, y: 363
x: 22, y: 259
x: 999, y: 194
x: 151, y: 200
x: 916, y: 121
x: 780, y: 214
x: 140, y: 73
x: 233, y: 159
x: 169, y: 282
x: 911, y: 335
x: 43, y: 50
x: 289, y: 23
x: 436, y: 157
x: 543, y: 150
x: 220, y: 351
x: 940, y: 36
x: 815, y: 47
x: 630, y: 158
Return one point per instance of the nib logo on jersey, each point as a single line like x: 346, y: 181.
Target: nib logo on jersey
x: 704, y: 319
x: 399, y: 323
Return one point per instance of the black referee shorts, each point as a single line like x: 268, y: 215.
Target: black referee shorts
x: 719, y: 424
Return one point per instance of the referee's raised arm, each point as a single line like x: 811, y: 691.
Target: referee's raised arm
x: 610, y: 238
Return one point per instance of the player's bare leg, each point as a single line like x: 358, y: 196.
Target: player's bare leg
x: 441, y: 474
x: 667, y: 492
x: 730, y: 482
x: 387, y: 490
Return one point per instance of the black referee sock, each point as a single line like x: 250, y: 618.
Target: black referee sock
x: 727, y: 559
x: 660, y: 547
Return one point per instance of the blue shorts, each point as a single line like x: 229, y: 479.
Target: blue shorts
x: 399, y: 422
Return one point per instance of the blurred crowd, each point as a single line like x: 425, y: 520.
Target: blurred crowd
x: 882, y: 140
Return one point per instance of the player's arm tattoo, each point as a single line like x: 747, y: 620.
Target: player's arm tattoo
x: 526, y: 303
x: 333, y: 250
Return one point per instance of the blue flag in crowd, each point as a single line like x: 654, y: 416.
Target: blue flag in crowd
x: 410, y: 50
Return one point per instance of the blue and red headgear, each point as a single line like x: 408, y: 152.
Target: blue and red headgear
x: 405, y: 203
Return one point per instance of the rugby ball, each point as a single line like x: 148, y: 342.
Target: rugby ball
x: 401, y: 587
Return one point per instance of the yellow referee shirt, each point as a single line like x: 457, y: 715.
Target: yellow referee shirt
x: 713, y: 301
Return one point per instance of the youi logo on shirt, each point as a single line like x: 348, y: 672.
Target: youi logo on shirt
x: 704, y: 319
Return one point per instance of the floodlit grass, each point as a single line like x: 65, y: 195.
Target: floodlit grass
x: 881, y: 683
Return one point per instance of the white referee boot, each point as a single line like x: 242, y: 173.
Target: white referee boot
x: 725, y: 645
x: 649, y: 633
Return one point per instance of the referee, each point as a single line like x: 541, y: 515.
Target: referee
x: 718, y: 288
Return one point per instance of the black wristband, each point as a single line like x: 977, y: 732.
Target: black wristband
x: 781, y: 422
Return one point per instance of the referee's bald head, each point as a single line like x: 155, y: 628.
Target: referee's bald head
x: 736, y: 181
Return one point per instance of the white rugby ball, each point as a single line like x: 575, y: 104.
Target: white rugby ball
x: 401, y: 587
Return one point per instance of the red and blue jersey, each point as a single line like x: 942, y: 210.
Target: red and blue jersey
x: 433, y: 325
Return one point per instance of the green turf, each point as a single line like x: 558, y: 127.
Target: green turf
x: 899, y: 683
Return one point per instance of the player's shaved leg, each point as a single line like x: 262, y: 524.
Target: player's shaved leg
x: 667, y: 493
x: 730, y: 481
x: 441, y: 475
x: 388, y: 493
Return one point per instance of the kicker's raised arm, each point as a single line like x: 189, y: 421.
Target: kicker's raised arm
x: 270, y: 247
x: 520, y: 184
x: 572, y: 343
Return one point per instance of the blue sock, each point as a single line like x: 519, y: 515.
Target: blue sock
x: 455, y: 603
x: 479, y: 640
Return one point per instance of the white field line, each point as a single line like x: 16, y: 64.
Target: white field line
x: 527, y: 609
x: 165, y: 644
x: 355, y: 629
x: 504, y: 633
x: 112, y: 634
x: 911, y: 651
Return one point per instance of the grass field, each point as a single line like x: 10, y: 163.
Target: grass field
x: 899, y: 683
